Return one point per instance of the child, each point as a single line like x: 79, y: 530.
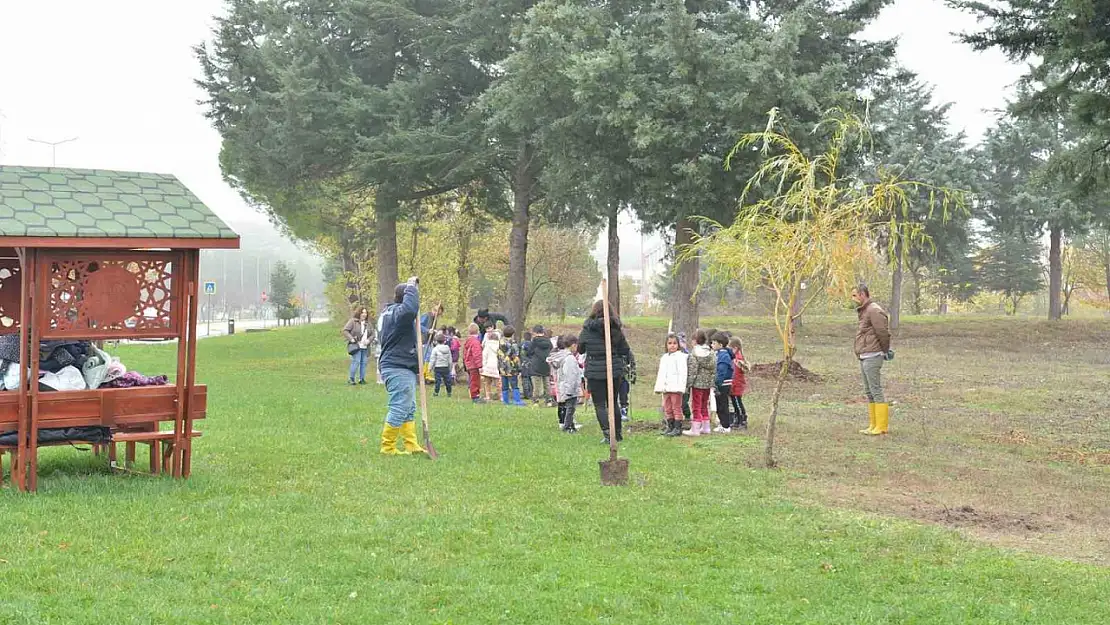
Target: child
x: 739, y: 381
x: 526, y: 389
x: 491, y: 375
x: 472, y: 362
x: 441, y: 363
x: 626, y: 385
x: 456, y: 347
x: 508, y: 366
x: 539, y: 368
x: 671, y: 382
x: 569, y: 376
x: 723, y: 381
x: 701, y: 372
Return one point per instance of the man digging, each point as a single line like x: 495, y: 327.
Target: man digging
x: 872, y: 347
x: 400, y: 367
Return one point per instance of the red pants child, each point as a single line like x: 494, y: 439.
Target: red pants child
x: 699, y: 404
x: 475, y: 383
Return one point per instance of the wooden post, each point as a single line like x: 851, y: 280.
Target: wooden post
x: 191, y: 363
x: 181, y: 277
x: 26, y: 278
x: 40, y: 314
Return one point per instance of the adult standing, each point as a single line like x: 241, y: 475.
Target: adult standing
x: 399, y: 367
x: 872, y: 345
x: 540, y: 368
x: 485, y: 319
x: 359, y: 335
x: 430, y: 320
x: 591, y: 342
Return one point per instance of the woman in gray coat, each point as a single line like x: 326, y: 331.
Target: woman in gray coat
x: 359, y: 334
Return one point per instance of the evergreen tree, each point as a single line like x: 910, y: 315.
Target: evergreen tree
x: 1011, y: 265
x: 283, y: 288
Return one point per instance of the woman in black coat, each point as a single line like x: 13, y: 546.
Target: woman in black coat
x: 592, y: 343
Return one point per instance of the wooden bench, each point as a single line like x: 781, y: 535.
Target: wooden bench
x: 133, y: 414
x: 161, y: 448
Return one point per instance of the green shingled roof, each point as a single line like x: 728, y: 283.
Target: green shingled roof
x: 57, y: 202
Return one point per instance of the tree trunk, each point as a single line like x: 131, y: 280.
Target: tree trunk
x: 772, y: 421
x: 685, y: 307
x: 896, y: 287
x: 916, y: 303
x: 350, y: 270
x: 385, y: 224
x: 1107, y: 268
x: 613, y: 260
x: 769, y: 446
x: 523, y: 181
x: 1055, y: 273
x: 462, y: 301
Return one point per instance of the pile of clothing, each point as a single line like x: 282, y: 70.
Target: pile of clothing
x: 68, y: 365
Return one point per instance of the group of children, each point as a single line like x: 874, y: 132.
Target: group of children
x: 714, y: 371
x: 542, y: 368
x: 710, y: 376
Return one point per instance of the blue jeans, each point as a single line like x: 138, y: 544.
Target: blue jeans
x: 358, y: 364
x: 400, y: 384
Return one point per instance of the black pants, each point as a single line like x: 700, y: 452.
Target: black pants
x: 738, y: 408
x: 443, y: 375
x: 566, y: 412
x: 723, y: 414
x: 686, y: 405
x: 622, y: 393
x: 526, y: 386
x: 599, y: 390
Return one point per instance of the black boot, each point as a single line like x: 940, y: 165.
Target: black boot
x: 667, y: 427
x: 675, y: 428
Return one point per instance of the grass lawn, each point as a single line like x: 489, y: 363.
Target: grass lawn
x: 291, y: 515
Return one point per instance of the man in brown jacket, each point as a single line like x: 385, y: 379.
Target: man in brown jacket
x: 871, y: 347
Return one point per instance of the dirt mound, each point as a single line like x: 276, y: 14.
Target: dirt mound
x: 969, y: 517
x: 797, y: 372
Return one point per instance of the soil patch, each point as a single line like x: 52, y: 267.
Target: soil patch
x: 797, y: 372
x: 969, y: 517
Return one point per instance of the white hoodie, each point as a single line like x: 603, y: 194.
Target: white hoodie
x: 672, y: 373
x: 489, y: 358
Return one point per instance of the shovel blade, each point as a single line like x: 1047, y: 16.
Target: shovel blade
x: 614, y: 472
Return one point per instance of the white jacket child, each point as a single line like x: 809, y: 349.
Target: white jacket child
x: 672, y: 373
x: 490, y: 347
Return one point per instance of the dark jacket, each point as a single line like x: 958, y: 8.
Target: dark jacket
x: 398, y: 336
x: 538, y: 353
x: 591, y: 342
x: 724, y: 367
x: 491, y: 321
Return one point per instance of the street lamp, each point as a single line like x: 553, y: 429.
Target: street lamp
x: 53, y: 148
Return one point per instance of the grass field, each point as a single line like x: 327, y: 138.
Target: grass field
x: 291, y: 515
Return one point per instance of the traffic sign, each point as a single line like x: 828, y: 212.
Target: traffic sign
x: 209, y: 288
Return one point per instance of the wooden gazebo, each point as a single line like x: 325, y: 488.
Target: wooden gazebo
x: 101, y: 255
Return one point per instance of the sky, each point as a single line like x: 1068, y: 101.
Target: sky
x: 117, y: 75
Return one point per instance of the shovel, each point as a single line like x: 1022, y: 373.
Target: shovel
x: 614, y: 471
x: 423, y: 391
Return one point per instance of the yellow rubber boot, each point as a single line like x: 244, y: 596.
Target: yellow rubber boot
x: 389, y: 441
x: 408, y: 433
x: 871, y: 420
x: 882, y: 419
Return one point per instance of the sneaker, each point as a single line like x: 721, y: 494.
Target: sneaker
x: 719, y: 429
x: 362, y: 381
x: 350, y: 382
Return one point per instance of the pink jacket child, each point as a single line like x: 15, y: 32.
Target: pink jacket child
x: 739, y: 381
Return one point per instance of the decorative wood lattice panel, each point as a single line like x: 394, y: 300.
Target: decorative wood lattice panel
x: 10, y: 291
x: 111, y: 296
